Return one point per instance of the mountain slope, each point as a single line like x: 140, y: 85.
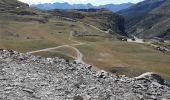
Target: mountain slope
x: 11, y: 3
x: 116, y: 7
x: 100, y: 18
x: 49, y: 6
x: 26, y: 29
x: 148, y: 19
x: 112, y: 7
x: 6, y: 5
x: 15, y: 7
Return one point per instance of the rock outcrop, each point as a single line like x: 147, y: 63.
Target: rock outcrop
x: 27, y: 77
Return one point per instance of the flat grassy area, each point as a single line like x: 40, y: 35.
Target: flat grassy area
x: 103, y: 50
x: 67, y: 51
x: 26, y: 46
x: 29, y: 36
x: 128, y: 58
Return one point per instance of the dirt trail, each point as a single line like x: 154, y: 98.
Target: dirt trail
x: 94, y: 27
x: 79, y: 54
x: 79, y: 57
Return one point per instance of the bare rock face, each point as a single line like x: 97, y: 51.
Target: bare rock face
x: 27, y: 77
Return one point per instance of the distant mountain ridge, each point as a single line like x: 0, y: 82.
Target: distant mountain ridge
x: 112, y: 7
x: 148, y: 19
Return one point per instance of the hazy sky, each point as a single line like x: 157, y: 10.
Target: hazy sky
x: 94, y: 2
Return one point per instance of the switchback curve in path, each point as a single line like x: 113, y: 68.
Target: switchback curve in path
x: 79, y: 57
x: 79, y: 54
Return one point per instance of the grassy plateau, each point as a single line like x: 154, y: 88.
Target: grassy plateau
x: 99, y: 49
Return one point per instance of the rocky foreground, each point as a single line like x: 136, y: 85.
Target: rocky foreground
x: 27, y: 77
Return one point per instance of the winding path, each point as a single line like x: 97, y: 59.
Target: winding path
x: 94, y: 27
x: 79, y: 57
x: 79, y: 54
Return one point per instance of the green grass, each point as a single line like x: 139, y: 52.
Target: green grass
x: 128, y: 56
x: 26, y: 46
x: 103, y: 51
x: 130, y: 71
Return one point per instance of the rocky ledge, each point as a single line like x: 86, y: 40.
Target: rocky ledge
x: 28, y: 77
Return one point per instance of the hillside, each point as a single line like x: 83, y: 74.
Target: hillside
x: 29, y: 77
x: 112, y: 7
x: 36, y: 25
x: 116, y: 7
x: 148, y: 19
x: 12, y: 4
x: 101, y: 18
